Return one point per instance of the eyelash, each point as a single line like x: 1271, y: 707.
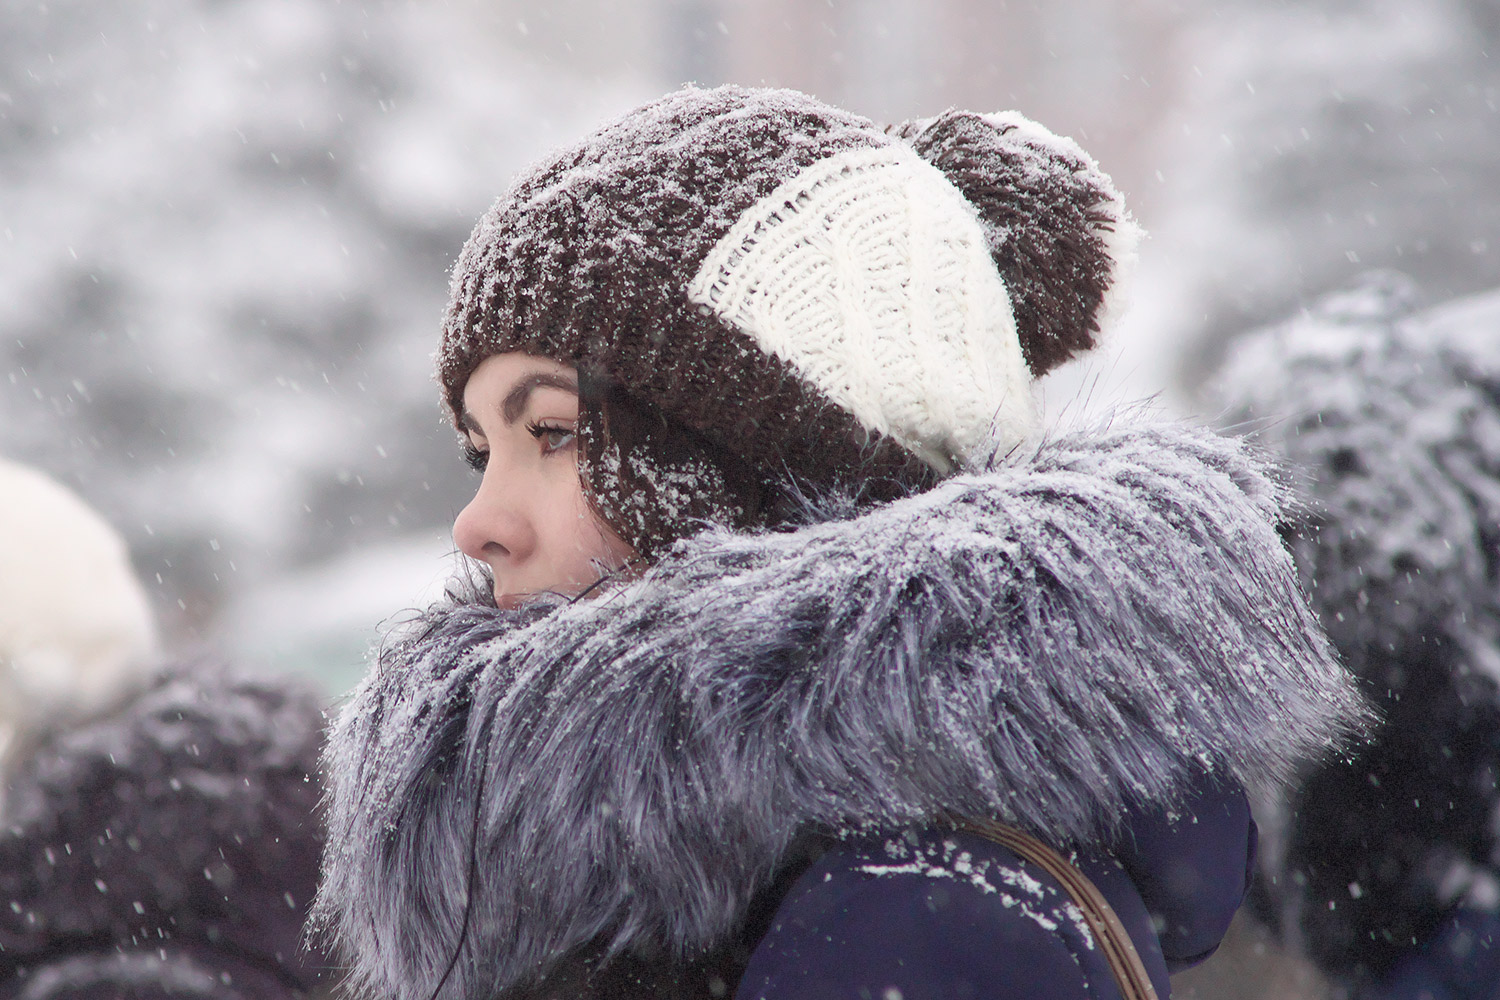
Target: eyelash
x: 474, y: 458
x: 540, y: 431
x: 479, y: 460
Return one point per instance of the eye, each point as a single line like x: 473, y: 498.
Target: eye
x: 476, y: 459
x: 553, y: 437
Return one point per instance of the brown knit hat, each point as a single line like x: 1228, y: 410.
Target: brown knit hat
x: 795, y: 287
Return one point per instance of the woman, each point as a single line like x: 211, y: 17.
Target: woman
x: 784, y: 600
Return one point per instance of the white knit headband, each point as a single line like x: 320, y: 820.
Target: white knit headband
x: 868, y: 273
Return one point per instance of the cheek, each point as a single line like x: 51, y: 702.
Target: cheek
x: 563, y: 508
x: 593, y: 538
x: 574, y: 535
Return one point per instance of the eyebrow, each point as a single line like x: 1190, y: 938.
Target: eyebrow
x: 514, y: 403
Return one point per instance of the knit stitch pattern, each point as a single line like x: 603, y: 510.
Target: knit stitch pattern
x: 588, y: 259
x: 869, y: 273
x: 1056, y: 225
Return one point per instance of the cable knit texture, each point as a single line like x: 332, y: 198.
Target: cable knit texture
x: 869, y: 273
x: 1057, y: 227
x: 1045, y: 638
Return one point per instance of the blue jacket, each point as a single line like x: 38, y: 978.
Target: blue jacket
x: 941, y: 914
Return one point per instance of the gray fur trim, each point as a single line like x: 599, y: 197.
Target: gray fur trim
x: 1041, y: 640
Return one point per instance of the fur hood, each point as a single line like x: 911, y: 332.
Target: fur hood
x: 1043, y: 639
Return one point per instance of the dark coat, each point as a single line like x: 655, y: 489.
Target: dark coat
x: 166, y: 848
x: 1392, y: 865
x: 614, y: 796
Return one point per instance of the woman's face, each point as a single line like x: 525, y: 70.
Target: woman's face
x: 529, y: 521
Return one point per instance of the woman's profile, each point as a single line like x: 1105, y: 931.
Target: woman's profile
x: 782, y: 594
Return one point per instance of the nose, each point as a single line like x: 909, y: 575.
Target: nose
x: 494, y: 529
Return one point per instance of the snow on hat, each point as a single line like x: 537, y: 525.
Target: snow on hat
x: 75, y: 625
x: 805, y: 290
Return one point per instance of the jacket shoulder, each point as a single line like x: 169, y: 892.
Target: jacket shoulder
x: 935, y: 913
x: 1192, y: 864
x: 951, y: 914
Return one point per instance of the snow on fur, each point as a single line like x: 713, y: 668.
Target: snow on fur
x: 1041, y: 640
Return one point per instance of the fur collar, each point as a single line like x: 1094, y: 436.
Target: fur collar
x: 1041, y: 639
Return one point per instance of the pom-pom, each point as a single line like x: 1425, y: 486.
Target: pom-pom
x: 1057, y: 228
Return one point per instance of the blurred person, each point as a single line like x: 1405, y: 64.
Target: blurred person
x: 1388, y: 872
x: 75, y: 625
x: 158, y: 824
x: 797, y: 663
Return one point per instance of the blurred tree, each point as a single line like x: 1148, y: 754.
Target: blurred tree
x: 1319, y: 139
x: 225, y: 229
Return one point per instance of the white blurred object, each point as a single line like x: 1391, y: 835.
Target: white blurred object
x: 75, y: 625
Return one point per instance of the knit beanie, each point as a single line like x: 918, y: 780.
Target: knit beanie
x: 794, y: 292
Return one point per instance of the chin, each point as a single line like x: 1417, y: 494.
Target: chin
x: 509, y: 602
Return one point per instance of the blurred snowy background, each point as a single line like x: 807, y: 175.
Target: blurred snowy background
x: 225, y: 227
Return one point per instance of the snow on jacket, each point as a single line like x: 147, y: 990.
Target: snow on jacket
x: 167, y: 847
x: 971, y: 919
x: 615, y: 794
x: 1393, y: 416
